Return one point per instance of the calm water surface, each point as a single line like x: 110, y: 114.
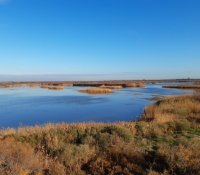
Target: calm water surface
x: 29, y: 106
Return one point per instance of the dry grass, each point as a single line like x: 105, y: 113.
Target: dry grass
x: 52, y: 87
x: 67, y: 84
x: 20, y: 158
x: 96, y: 90
x: 56, y: 87
x: 181, y: 107
x: 134, y: 85
x: 111, y: 86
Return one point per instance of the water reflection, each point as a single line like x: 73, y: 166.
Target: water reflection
x: 30, y: 106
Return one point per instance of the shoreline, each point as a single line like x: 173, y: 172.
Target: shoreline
x: 155, y: 101
x: 165, y: 136
x: 92, y: 83
x: 193, y: 86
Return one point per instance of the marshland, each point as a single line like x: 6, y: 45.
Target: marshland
x: 165, y: 140
x: 99, y: 87
x: 23, y: 104
x: 140, y: 128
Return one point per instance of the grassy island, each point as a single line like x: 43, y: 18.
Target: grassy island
x: 134, y: 85
x: 164, y: 141
x: 53, y: 87
x: 97, y: 90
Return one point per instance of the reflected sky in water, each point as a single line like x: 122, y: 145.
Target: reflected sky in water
x: 24, y: 106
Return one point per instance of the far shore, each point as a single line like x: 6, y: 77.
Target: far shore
x: 183, y: 86
x: 111, y: 84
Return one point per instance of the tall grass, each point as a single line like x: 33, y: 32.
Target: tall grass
x: 183, y: 107
x: 97, y: 90
x: 52, y: 87
x: 133, y: 85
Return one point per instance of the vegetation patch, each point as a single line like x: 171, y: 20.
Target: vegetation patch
x: 96, y: 90
x: 133, y: 85
x: 52, y: 87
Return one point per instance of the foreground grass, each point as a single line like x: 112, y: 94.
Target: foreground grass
x: 166, y: 140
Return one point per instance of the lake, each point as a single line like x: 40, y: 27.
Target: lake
x: 24, y: 106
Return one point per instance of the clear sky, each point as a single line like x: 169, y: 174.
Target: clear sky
x: 130, y: 39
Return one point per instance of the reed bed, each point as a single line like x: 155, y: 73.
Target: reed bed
x: 52, y: 87
x: 96, y: 90
x: 111, y: 86
x: 181, y: 107
x: 133, y: 85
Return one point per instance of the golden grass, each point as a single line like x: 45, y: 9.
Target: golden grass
x: 96, y: 90
x: 172, y: 108
x: 52, y: 87
x: 30, y: 130
x: 56, y: 87
x: 67, y: 84
x: 20, y: 158
x: 111, y: 86
x: 134, y: 85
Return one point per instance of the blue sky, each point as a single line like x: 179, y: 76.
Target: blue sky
x: 112, y: 39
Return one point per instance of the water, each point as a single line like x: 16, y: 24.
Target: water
x: 23, y: 106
